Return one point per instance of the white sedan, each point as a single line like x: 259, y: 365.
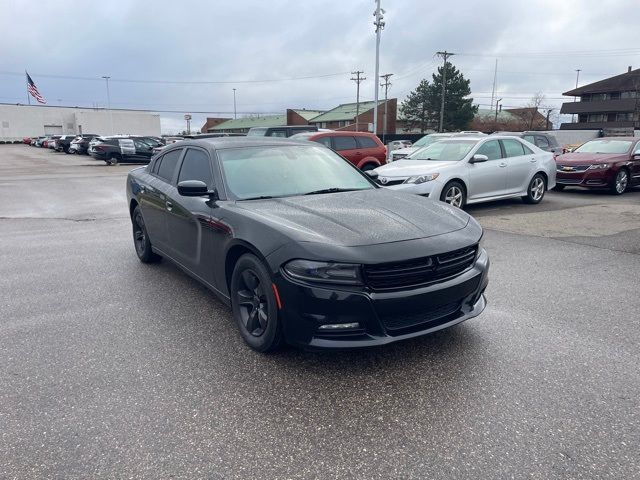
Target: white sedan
x: 465, y: 170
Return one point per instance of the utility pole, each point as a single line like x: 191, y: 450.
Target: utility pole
x: 358, y: 79
x: 495, y: 79
x: 109, y: 103
x: 386, y: 86
x: 379, y: 23
x: 548, y: 113
x: 234, y: 104
x: 444, y: 55
x: 496, y: 119
x: 573, y: 116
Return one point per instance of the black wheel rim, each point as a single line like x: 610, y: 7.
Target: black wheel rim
x: 252, y: 303
x: 139, y: 235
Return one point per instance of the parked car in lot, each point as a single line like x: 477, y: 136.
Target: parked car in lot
x: 283, y: 131
x: 364, y: 150
x: 397, y: 144
x: 27, y: 140
x: 426, y: 141
x: 63, y: 143
x: 544, y: 141
x: 80, y: 144
x: 465, y: 170
x: 52, y: 142
x: 290, y: 235
x: 37, y: 142
x: 114, y: 150
x: 612, y: 163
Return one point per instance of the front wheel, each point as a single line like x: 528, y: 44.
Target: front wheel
x: 369, y: 166
x: 535, y: 192
x: 254, y: 304
x: 620, y: 183
x: 141, y: 239
x: 454, y: 194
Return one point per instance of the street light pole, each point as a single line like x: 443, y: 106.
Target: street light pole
x: 379, y: 26
x: 234, y: 104
x: 444, y: 55
x: 106, y: 78
x: 496, y: 119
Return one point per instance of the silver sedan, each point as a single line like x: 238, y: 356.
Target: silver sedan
x: 465, y: 170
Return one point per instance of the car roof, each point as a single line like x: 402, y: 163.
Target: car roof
x: 627, y: 139
x: 221, y: 143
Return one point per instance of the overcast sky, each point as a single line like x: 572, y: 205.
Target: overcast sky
x: 260, y: 47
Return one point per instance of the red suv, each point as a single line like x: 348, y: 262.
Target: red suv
x: 364, y: 150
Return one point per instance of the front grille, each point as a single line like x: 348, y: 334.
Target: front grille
x: 398, y: 156
x: 390, y: 182
x: 423, y: 319
x: 576, y: 168
x: 420, y: 271
x: 569, y: 181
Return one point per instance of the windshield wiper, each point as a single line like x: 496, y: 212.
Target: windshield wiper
x: 332, y: 190
x: 261, y: 197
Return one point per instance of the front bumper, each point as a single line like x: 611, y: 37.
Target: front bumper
x: 382, y: 316
x: 586, y: 179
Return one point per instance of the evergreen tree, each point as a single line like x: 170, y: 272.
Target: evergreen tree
x: 458, y: 110
x: 416, y: 108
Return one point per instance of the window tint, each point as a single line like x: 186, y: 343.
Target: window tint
x: 367, y: 142
x: 491, y: 149
x: 542, y: 142
x: 141, y: 145
x: 530, y: 139
x: 527, y: 150
x: 196, y: 166
x: 168, y: 164
x: 513, y: 148
x: 326, y: 141
x: 277, y: 133
x: 344, y: 143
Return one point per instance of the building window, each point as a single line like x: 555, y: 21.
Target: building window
x: 628, y: 94
x: 595, y: 97
x: 614, y: 95
x: 323, y: 125
x: 597, y: 117
x: 582, y: 118
x: 624, y: 117
x: 585, y: 98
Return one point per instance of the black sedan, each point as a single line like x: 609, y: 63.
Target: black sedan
x: 303, y: 246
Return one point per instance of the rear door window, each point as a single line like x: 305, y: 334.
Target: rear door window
x: 344, y: 143
x: 513, y: 148
x: 541, y: 142
x: 367, y: 142
x: 167, y: 165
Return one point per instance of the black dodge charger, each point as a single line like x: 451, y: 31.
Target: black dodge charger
x: 304, y: 247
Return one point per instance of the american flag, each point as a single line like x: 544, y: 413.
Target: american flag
x: 33, y: 90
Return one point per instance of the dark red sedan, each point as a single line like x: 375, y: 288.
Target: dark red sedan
x: 612, y: 163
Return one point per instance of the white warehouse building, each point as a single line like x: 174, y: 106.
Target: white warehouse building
x: 19, y: 121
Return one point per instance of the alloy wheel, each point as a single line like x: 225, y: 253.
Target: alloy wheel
x: 454, y: 196
x: 621, y: 181
x: 139, y: 235
x: 252, y: 302
x: 537, y: 189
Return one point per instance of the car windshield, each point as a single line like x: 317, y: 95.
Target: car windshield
x: 605, y: 146
x: 445, y: 151
x: 256, y: 131
x: 427, y: 140
x: 282, y: 171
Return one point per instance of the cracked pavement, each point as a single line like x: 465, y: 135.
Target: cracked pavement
x: 114, y: 369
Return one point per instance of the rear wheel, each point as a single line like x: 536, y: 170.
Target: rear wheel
x: 368, y: 167
x: 254, y: 304
x: 535, y: 192
x: 620, y: 183
x: 141, y: 239
x: 454, y: 194
x: 113, y: 159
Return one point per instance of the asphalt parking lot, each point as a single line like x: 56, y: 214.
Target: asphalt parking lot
x: 115, y: 369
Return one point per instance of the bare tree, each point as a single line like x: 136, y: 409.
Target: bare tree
x: 530, y: 113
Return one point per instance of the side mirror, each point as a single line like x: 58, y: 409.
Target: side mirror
x: 478, y: 158
x: 195, y: 188
x: 372, y: 174
x: 636, y: 156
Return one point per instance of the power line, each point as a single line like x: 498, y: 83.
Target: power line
x: 444, y: 56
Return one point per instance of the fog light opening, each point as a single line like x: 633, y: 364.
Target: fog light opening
x: 339, y: 326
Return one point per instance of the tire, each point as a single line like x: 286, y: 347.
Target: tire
x: 254, y: 305
x: 620, y: 183
x: 369, y: 166
x: 113, y: 159
x: 559, y: 188
x: 455, y: 194
x: 141, y: 240
x: 535, y: 190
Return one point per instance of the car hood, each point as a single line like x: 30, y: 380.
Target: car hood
x: 366, y: 217
x: 576, y: 158
x: 408, y: 168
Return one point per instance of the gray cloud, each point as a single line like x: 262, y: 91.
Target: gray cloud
x: 256, y: 40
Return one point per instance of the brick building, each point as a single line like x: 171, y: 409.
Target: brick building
x: 343, y: 117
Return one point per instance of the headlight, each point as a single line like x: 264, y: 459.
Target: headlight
x: 418, y: 179
x: 324, y: 272
x: 599, y: 166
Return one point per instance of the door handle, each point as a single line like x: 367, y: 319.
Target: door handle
x: 169, y: 205
x: 502, y: 165
x: 532, y: 160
